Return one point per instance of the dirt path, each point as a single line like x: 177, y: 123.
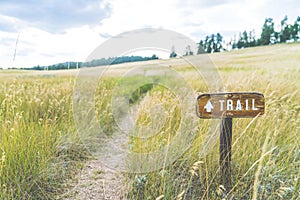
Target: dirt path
x: 97, y: 181
x: 101, y: 179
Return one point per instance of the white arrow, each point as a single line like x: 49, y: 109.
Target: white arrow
x: 208, y: 106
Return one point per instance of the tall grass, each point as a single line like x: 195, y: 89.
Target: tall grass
x: 40, y: 148
x: 266, y: 156
x: 37, y: 136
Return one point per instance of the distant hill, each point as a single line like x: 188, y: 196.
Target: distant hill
x: 93, y: 63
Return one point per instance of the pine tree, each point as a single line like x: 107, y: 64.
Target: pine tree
x: 240, y: 43
x: 268, y: 33
x: 188, y: 51
x: 219, y: 40
x: 252, y: 40
x: 285, y: 33
x: 173, y: 54
x: 295, y: 32
x: 201, y: 47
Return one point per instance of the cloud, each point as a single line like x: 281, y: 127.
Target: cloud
x: 11, y: 24
x: 55, y: 16
x: 193, y: 18
x: 55, y: 31
x: 207, y: 3
x: 49, y: 31
x: 135, y: 14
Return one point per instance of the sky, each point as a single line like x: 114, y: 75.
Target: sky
x: 45, y: 32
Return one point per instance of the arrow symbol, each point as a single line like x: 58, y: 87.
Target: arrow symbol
x: 208, y: 106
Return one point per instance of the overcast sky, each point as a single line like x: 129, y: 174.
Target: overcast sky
x: 52, y: 31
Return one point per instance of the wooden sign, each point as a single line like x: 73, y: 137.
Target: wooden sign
x: 230, y: 105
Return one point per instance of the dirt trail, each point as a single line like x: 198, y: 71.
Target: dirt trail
x: 97, y: 181
x: 101, y: 179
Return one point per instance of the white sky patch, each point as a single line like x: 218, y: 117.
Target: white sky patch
x: 38, y: 47
x: 14, y: 22
x: 147, y: 53
x: 134, y: 14
x: 196, y: 19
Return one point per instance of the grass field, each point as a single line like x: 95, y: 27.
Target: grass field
x: 41, y: 150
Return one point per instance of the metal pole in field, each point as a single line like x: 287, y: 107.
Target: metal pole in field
x: 225, y: 152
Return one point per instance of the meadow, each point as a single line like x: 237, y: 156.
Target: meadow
x: 41, y: 149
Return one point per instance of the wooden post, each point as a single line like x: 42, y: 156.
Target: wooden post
x: 225, y: 152
x: 227, y: 106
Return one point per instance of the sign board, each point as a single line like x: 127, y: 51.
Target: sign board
x: 230, y: 105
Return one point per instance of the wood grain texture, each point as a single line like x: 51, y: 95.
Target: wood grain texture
x: 230, y: 105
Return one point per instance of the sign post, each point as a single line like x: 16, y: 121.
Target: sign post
x: 225, y: 151
x: 227, y: 106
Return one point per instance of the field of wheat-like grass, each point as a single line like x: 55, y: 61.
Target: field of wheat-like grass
x: 40, y: 148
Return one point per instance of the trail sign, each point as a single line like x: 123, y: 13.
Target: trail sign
x: 230, y: 105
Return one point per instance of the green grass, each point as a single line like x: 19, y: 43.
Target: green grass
x: 266, y: 156
x: 40, y: 149
x: 37, y: 137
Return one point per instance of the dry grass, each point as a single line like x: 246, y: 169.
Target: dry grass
x: 38, y: 136
x: 266, y: 160
x: 40, y: 147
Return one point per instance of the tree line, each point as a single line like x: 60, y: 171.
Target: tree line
x: 214, y: 42
x: 287, y: 33
x: 93, y: 63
